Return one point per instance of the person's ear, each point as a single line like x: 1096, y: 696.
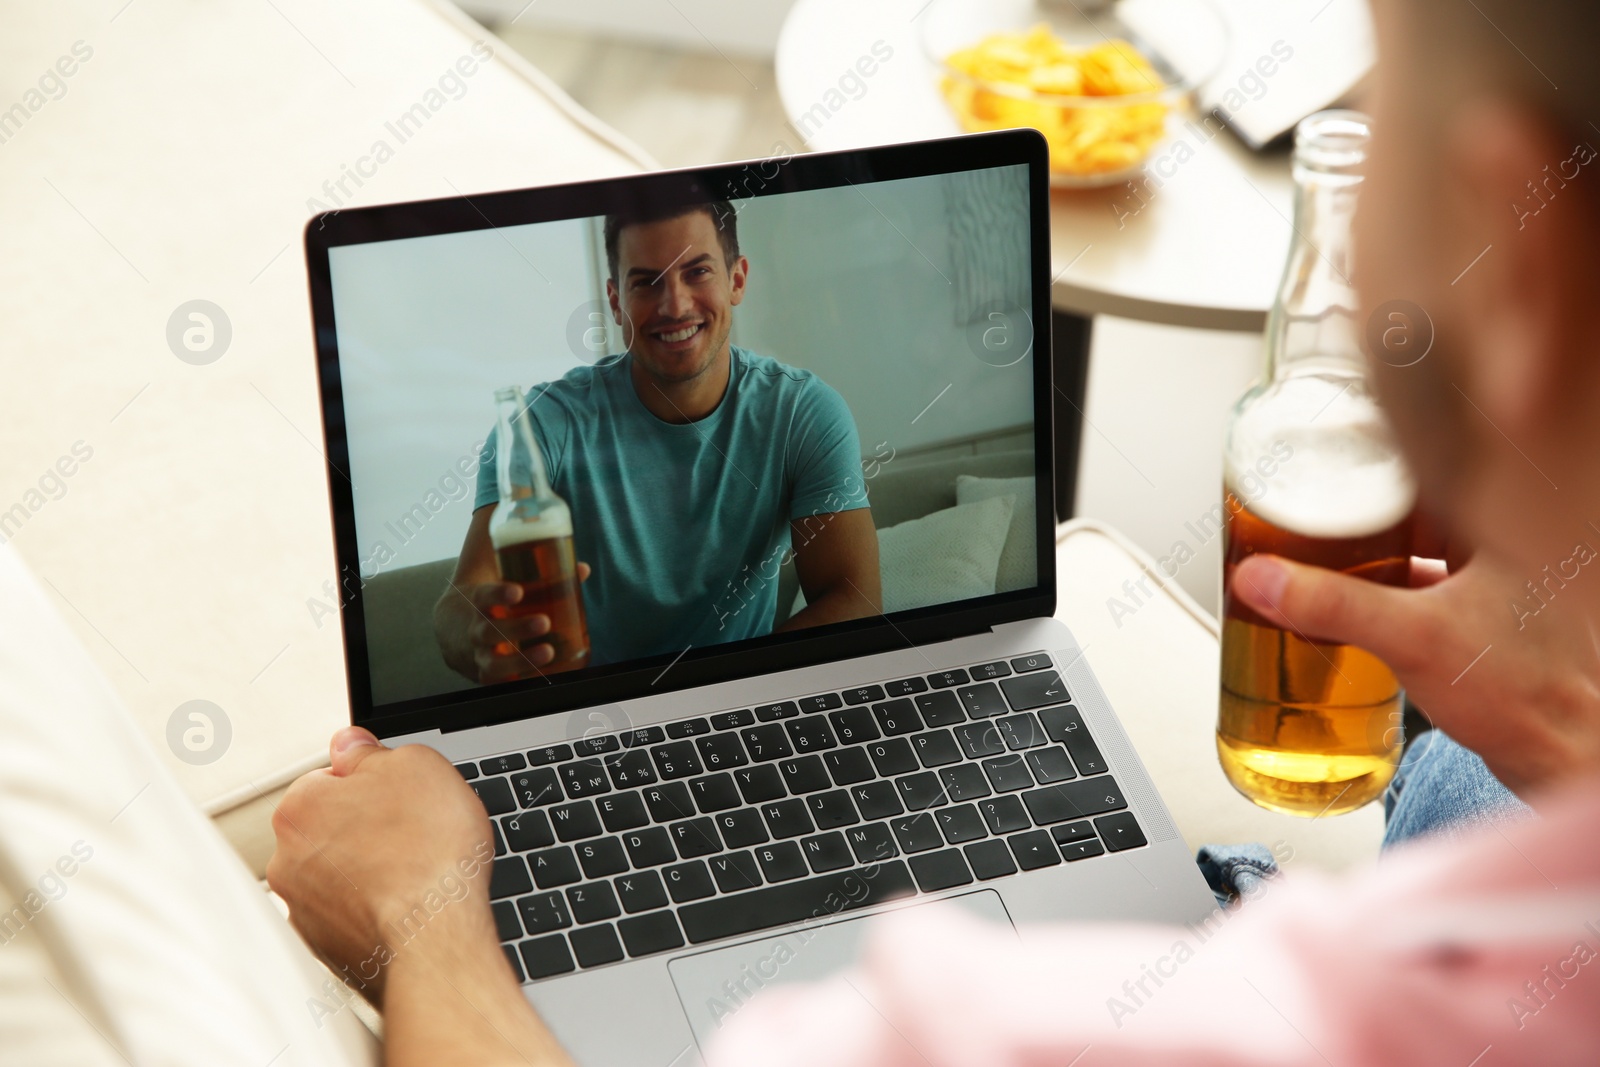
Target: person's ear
x: 1520, y: 299
x: 736, y: 280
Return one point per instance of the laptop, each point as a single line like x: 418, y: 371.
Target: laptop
x: 805, y: 466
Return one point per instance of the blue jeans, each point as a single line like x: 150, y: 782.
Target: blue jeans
x: 1439, y: 788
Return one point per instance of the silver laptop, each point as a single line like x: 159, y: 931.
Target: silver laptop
x: 784, y: 659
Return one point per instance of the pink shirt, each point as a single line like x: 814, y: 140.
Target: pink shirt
x: 1469, y: 953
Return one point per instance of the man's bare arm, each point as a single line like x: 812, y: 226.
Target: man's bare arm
x: 836, y: 559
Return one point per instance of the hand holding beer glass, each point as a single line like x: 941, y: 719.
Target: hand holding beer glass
x: 1307, y: 726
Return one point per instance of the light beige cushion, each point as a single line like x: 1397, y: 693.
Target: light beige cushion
x: 1019, y: 560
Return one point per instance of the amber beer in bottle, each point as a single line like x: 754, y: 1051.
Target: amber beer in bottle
x: 531, y: 530
x: 1311, y: 472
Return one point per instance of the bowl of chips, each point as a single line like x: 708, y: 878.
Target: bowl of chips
x: 1103, y: 81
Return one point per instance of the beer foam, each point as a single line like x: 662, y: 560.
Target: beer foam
x: 553, y: 522
x: 1335, y: 470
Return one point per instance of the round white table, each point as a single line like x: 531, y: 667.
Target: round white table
x: 1199, y: 242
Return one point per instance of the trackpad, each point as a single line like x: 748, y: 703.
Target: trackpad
x: 713, y: 985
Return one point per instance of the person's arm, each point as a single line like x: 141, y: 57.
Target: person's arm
x: 836, y: 560
x: 475, y: 637
x: 400, y: 906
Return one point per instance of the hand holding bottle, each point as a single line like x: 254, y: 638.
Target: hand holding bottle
x: 509, y: 637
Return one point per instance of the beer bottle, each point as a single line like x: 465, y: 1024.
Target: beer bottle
x: 531, y: 530
x: 1312, y: 473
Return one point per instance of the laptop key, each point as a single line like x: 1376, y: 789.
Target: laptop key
x: 854, y: 725
x: 721, y: 752
x: 980, y: 739
x: 917, y: 833
x: 499, y: 841
x: 545, y: 956
x: 554, y: 867
x: 632, y: 768
x: 469, y: 771
x: 810, y: 735
x: 1051, y: 765
x: 1033, y: 661
x: 643, y: 735
x: 677, y: 759
x: 602, y: 858
x: 506, y: 924
x: 821, y: 702
x: 982, y: 701
x: 940, y: 708
x: 688, y: 881
x: 831, y: 809
x: 688, y: 728
x: 495, y: 793
x: 544, y: 913
x: 947, y: 679
x: 893, y: 756
x: 669, y: 801
x: 897, y: 717
x: 905, y: 687
x: 1066, y: 725
x: 597, y: 746
x: 714, y: 792
x: 863, y: 694
x: 877, y: 800
x: 787, y: 818
x: 549, y: 754
x: 508, y: 878
x: 584, y: 778
x: 806, y: 774
x: 1020, y: 731
x: 960, y: 824
x: 742, y: 828
x: 1028, y: 691
x: 872, y: 843
x: 640, y: 891
x: 1120, y: 831
x: 592, y: 902
x: 695, y: 837
x: 1008, y: 773
x: 786, y: 709
x: 848, y: 766
x: 965, y: 782
x: 596, y: 945
x: 1004, y: 814
x: 1033, y: 850
x: 575, y: 821
x: 649, y: 847
x: 736, y: 871
x: 732, y: 720
x: 990, y: 859
x: 919, y: 791
x: 781, y: 861
x: 622, y: 811
x: 759, y: 783
x: 536, y: 787
x: 796, y: 901
x: 1074, y: 800
x: 527, y: 830
x: 503, y: 764
x: 990, y: 671
x: 767, y: 742
x: 940, y: 870
x: 1071, y: 832
x: 936, y: 748
x: 1082, y: 850
x: 826, y: 852
x: 647, y: 934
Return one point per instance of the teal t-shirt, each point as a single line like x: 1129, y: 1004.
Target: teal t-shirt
x: 685, y: 526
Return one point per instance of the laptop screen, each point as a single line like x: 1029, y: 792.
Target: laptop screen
x: 701, y: 419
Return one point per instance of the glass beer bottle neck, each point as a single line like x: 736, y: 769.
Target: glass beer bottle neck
x: 1314, y: 326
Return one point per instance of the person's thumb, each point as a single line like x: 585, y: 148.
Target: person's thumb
x: 1318, y: 603
x: 349, y: 747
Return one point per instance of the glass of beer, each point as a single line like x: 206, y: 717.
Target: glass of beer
x: 531, y: 530
x: 1312, y: 473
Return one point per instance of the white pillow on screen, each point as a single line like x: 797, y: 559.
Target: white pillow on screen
x: 942, y: 557
x: 1019, y: 559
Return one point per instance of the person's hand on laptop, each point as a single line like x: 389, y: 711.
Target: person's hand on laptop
x: 384, y: 860
x: 505, y: 646
x: 1518, y: 688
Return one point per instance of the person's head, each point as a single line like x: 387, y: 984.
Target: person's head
x: 1482, y: 206
x: 675, y: 277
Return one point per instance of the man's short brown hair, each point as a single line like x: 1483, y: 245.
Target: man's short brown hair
x: 721, y: 213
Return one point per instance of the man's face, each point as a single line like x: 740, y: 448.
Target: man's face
x: 674, y: 295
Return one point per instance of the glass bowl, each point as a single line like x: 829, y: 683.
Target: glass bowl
x: 1103, y: 81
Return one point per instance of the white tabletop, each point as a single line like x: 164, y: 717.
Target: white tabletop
x: 1204, y: 247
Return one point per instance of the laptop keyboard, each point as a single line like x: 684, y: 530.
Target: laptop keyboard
x: 628, y: 844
